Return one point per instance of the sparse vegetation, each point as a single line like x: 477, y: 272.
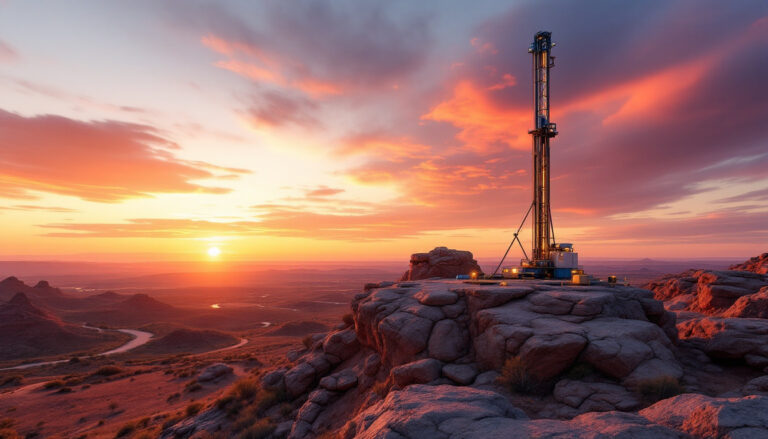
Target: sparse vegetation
x: 516, y: 377
x: 660, y: 388
x: 258, y: 430
x: 381, y: 388
x: 307, y: 341
x: 65, y: 389
x: 113, y: 406
x: 193, y: 409
x: 246, y: 388
x: 11, y: 380
x: 126, y: 429
x: 9, y: 433
x: 108, y: 371
x: 55, y: 384
x: 193, y: 386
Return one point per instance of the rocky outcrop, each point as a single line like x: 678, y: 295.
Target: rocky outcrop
x: 751, y: 306
x: 460, y: 412
x: 757, y: 264
x: 729, y: 338
x: 707, y: 291
x: 434, y: 342
x: 706, y: 417
x: 214, y: 372
x: 441, y: 262
x: 621, y: 331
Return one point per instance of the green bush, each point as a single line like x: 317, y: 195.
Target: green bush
x: 660, y: 388
x: 516, y: 377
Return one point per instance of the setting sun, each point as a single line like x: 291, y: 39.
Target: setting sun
x: 214, y: 252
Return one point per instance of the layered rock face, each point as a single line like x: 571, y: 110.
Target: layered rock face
x: 441, y: 262
x: 708, y: 291
x: 450, y: 334
x: 721, y: 312
x: 758, y: 264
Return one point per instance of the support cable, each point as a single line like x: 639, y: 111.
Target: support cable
x: 513, y: 241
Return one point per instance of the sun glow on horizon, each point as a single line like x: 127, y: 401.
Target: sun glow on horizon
x: 214, y: 252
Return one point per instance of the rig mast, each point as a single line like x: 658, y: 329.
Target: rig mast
x: 543, y: 131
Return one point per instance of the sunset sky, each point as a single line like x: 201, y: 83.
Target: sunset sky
x: 361, y: 130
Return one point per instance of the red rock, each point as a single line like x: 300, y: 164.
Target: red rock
x: 758, y: 264
x: 441, y: 262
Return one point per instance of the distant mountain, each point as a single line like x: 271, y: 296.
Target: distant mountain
x: 28, y: 331
x: 120, y: 310
x: 42, y: 290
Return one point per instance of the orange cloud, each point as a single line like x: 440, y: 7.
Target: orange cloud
x: 485, y: 127
x: 272, y: 68
x: 104, y: 161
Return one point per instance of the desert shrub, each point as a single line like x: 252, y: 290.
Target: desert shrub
x: 193, y: 409
x: 268, y: 398
x: 580, y: 371
x: 171, y: 421
x: 260, y: 429
x: 55, y: 384
x: 143, y: 422
x: 64, y: 389
x: 245, y: 388
x: 113, y: 406
x: 9, y: 433
x: 307, y: 341
x: 126, y: 429
x: 516, y: 377
x: 73, y: 381
x: 193, y: 386
x: 381, y: 388
x: 660, y: 388
x: 11, y: 380
x: 108, y: 371
x: 173, y: 397
x: 348, y: 319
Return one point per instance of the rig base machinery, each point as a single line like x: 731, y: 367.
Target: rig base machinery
x: 548, y: 259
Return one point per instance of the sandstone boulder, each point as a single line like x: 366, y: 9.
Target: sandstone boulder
x: 710, y: 291
x: 757, y: 264
x: 729, y: 338
x: 441, y: 262
x: 419, y: 372
x: 704, y: 416
x: 594, y: 397
x: 750, y: 306
x: 214, y: 372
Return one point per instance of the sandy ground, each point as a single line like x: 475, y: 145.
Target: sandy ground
x: 111, y: 404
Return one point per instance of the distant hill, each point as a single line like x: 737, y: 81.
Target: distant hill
x: 185, y: 340
x: 298, y: 329
x: 42, y: 290
x: 119, y: 310
x: 28, y: 331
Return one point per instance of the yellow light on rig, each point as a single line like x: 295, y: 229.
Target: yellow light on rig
x: 473, y: 275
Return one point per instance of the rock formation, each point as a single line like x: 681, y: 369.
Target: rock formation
x: 758, y: 264
x: 439, y: 358
x: 441, y: 262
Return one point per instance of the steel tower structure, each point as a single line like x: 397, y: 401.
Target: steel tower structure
x: 544, y: 129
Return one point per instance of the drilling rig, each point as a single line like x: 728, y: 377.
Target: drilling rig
x: 548, y: 259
